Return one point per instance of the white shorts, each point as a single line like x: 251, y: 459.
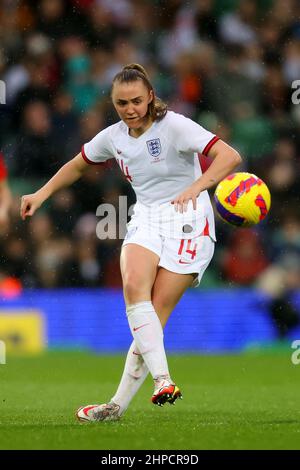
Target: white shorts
x: 183, y: 256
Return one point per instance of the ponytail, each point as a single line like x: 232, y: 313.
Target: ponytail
x: 157, y: 109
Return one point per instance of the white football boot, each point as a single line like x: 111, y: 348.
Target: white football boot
x: 106, y: 412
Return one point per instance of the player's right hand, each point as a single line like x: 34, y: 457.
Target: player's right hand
x: 29, y: 204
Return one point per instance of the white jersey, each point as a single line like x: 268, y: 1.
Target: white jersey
x: 160, y: 164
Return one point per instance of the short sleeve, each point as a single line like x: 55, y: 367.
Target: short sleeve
x: 190, y: 137
x: 3, y: 170
x: 99, y: 149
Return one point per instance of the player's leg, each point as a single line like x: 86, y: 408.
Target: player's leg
x: 167, y: 284
x: 186, y: 258
x: 167, y: 290
x: 137, y: 283
x: 139, y: 269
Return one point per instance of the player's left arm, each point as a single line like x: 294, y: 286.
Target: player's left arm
x: 225, y: 160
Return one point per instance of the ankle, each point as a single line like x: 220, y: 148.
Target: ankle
x: 160, y: 379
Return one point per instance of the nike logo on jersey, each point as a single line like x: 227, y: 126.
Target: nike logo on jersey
x: 119, y: 152
x: 135, y: 329
x: 184, y: 262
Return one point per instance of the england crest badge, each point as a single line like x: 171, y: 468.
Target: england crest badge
x: 154, y: 147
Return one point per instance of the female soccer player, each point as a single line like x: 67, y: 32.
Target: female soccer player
x: 170, y: 238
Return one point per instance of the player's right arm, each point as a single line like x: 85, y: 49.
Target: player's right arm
x: 67, y: 175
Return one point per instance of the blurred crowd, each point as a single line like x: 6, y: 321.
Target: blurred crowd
x: 227, y: 64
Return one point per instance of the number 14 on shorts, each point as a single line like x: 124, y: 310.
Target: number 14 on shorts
x: 186, y: 247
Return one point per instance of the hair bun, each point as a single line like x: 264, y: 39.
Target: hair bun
x: 137, y: 67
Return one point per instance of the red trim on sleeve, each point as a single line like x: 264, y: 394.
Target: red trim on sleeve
x: 87, y: 159
x: 3, y: 170
x: 210, y: 144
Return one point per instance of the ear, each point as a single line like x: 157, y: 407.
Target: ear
x: 151, y: 96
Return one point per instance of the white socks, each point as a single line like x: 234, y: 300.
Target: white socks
x: 148, y: 335
x: 135, y: 372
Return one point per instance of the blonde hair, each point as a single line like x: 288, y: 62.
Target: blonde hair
x: 157, y: 109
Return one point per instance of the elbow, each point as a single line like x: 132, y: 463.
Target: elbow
x: 236, y: 159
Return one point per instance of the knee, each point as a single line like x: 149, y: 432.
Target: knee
x: 134, y: 289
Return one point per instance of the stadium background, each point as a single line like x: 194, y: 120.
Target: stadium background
x: 227, y: 64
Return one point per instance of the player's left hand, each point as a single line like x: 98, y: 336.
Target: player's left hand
x: 181, y: 201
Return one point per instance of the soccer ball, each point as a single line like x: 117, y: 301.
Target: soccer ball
x: 242, y: 199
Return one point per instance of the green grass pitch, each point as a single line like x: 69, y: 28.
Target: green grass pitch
x: 247, y: 401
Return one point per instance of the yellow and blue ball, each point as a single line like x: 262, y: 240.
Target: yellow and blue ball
x: 242, y: 199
